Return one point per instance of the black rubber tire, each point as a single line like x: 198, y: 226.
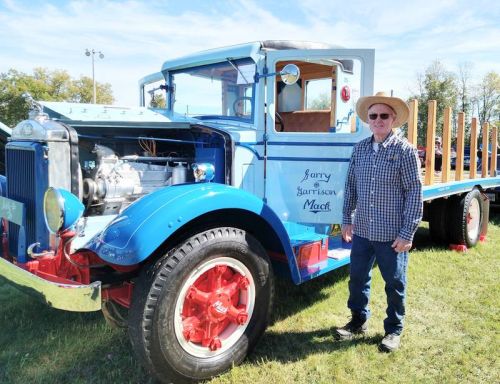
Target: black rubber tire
x: 460, y: 223
x: 439, y: 220
x: 157, y: 289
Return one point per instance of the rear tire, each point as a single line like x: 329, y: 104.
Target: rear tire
x: 467, y: 215
x: 439, y: 220
x: 202, y: 307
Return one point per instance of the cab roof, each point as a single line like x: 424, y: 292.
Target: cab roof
x: 255, y: 50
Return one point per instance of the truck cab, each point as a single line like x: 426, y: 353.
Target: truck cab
x: 290, y: 143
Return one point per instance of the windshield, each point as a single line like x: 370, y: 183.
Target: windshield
x: 222, y: 90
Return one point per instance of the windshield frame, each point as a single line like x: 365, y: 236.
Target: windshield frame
x: 229, y: 62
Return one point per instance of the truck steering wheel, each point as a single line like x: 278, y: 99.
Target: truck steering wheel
x: 237, y: 102
x: 279, y: 121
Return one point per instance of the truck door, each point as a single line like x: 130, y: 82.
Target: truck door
x: 311, y: 130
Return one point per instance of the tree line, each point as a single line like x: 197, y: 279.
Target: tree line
x: 47, y: 85
x: 456, y: 90
x: 449, y: 89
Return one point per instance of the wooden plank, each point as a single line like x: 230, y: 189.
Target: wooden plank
x: 484, y: 159
x: 413, y: 122
x: 446, y: 166
x: 473, y: 149
x: 431, y: 138
x: 494, y: 152
x: 459, y: 163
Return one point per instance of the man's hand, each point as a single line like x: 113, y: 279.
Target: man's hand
x: 347, y: 232
x: 400, y: 245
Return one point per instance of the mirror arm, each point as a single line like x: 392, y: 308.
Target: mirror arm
x: 265, y: 74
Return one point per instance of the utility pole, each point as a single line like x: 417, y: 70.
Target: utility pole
x: 92, y: 52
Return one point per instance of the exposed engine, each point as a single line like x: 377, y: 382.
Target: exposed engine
x: 116, y: 182
x: 106, y: 164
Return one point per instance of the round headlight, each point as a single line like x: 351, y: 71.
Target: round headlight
x: 53, y: 208
x: 61, y: 209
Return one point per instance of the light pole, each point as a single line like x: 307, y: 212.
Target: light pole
x: 92, y: 52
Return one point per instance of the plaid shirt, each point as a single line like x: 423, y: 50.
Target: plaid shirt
x: 383, y: 189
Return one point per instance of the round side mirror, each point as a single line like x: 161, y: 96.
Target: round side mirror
x: 290, y: 74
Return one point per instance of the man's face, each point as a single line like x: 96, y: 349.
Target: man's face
x: 380, y: 127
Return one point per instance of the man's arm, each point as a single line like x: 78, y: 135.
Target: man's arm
x: 413, y: 204
x: 350, y: 197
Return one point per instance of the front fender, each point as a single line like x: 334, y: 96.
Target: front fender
x: 141, y: 228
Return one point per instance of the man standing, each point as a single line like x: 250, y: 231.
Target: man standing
x: 382, y: 210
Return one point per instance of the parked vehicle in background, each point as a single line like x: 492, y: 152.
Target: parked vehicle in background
x: 175, y: 221
x: 466, y: 159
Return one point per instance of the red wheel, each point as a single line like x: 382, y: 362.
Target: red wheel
x: 202, y: 307
x: 214, y: 306
x: 467, y: 216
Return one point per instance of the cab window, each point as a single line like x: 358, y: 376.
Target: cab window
x: 322, y: 100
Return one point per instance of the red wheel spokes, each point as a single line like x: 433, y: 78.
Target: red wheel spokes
x: 212, y: 303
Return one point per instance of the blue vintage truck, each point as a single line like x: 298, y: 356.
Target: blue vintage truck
x: 174, y: 221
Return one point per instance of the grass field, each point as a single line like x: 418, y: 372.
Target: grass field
x: 452, y: 332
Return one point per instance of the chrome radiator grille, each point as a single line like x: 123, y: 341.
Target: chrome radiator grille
x: 27, y: 179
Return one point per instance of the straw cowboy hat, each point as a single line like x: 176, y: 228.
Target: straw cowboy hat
x: 399, y: 106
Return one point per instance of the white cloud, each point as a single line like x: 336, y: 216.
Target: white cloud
x: 137, y: 37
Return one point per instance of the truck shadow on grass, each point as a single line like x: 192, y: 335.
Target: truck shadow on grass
x: 305, y: 294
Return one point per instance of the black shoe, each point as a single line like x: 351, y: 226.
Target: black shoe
x: 390, y: 343
x: 354, y: 327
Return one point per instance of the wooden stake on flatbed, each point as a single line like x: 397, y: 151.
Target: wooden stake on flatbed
x: 459, y: 164
x: 446, y: 145
x: 473, y: 149
x: 484, y: 158
x: 494, y: 152
x: 413, y: 122
x: 431, y: 138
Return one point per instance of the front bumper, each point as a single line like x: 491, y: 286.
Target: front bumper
x: 76, y: 298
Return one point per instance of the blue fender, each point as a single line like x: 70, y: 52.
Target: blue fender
x: 141, y: 228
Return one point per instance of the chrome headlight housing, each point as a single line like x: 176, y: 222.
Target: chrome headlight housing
x: 61, y: 209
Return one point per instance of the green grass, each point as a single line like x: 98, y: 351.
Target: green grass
x: 451, y: 334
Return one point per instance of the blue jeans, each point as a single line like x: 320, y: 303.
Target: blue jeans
x: 393, y: 267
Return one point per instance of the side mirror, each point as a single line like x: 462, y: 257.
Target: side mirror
x: 290, y: 74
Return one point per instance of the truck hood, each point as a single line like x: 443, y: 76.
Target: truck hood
x: 99, y: 112
x: 78, y: 114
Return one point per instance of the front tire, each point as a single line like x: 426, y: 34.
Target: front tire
x: 202, y: 307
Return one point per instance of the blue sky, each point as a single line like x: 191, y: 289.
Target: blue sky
x: 137, y: 37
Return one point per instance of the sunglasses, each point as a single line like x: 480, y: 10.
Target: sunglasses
x: 383, y: 116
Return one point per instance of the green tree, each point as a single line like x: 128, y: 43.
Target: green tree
x: 436, y: 84
x: 83, y: 91
x: 320, y: 102
x: 487, y: 98
x: 158, y: 101
x: 44, y: 85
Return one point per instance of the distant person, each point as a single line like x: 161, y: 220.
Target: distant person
x: 383, y: 193
x: 438, y: 155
